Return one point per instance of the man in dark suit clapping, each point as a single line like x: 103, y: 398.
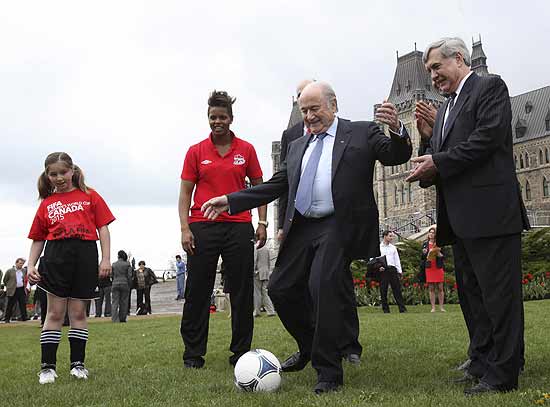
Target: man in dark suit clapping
x: 479, y: 208
x: 331, y: 218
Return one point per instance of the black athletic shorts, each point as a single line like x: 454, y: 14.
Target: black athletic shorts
x: 69, y: 269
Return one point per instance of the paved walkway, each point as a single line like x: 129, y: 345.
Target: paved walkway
x: 163, y: 297
x: 163, y: 300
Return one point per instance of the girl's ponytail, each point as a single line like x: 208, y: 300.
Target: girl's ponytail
x: 45, y: 188
x: 78, y: 179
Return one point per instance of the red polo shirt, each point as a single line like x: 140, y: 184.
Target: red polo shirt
x: 214, y: 175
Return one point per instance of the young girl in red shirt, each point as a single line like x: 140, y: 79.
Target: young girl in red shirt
x: 67, y: 222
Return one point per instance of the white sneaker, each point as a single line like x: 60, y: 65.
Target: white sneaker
x: 47, y: 376
x: 80, y: 372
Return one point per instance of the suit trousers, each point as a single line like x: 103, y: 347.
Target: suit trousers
x: 20, y: 298
x: 309, y: 289
x: 390, y: 277
x: 119, y: 308
x: 234, y: 241
x: 492, y: 286
x: 104, y: 295
x: 261, y: 297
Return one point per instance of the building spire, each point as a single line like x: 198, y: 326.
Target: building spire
x: 479, y: 59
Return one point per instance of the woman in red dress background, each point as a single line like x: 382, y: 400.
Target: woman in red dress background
x: 432, y: 263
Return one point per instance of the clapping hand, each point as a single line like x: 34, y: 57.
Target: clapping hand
x: 425, y: 118
x: 424, y: 170
x: 213, y: 207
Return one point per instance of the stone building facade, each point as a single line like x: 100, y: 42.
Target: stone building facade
x: 531, y: 128
x: 407, y: 207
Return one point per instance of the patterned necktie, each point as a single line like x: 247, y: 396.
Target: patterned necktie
x: 452, y: 98
x: 305, y: 186
x: 452, y: 101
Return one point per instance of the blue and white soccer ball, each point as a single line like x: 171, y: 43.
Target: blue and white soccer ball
x: 258, y: 370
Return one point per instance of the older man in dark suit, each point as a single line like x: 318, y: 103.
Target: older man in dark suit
x: 331, y: 218
x: 350, y: 347
x: 479, y: 208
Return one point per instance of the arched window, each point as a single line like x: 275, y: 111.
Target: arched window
x: 403, y: 201
x: 527, y: 191
x: 516, y: 161
x: 395, y: 195
x: 520, y: 161
x: 547, y: 155
x: 410, y: 192
x: 540, y: 158
x: 545, y: 192
x: 526, y: 160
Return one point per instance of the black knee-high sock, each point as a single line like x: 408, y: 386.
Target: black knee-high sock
x: 49, y: 341
x: 77, y: 340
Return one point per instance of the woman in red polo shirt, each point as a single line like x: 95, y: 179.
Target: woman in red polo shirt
x: 216, y: 166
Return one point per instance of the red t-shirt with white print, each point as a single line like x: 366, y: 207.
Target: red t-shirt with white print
x: 214, y: 175
x: 70, y: 215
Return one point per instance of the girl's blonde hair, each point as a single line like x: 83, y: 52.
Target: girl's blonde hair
x: 46, y: 188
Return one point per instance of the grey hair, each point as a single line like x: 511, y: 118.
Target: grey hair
x: 449, y: 47
x: 328, y: 93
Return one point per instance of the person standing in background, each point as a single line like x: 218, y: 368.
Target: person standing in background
x: 180, y: 278
x: 15, y: 281
x: 432, y: 263
x: 262, y: 271
x: 104, y: 284
x: 122, y: 281
x: 145, y: 278
x: 390, y: 275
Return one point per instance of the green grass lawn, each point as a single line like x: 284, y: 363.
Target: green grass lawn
x: 407, y: 361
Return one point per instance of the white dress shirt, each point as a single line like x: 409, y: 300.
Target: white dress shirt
x: 321, y: 201
x: 457, y: 91
x: 19, y: 278
x: 392, y: 256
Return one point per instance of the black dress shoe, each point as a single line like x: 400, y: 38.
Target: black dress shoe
x: 466, y: 378
x: 193, y: 363
x: 233, y: 359
x: 295, y: 362
x: 353, y: 358
x: 326, y: 387
x: 481, y: 388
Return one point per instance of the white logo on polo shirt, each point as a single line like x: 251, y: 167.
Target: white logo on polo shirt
x: 238, y: 159
x: 206, y: 162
